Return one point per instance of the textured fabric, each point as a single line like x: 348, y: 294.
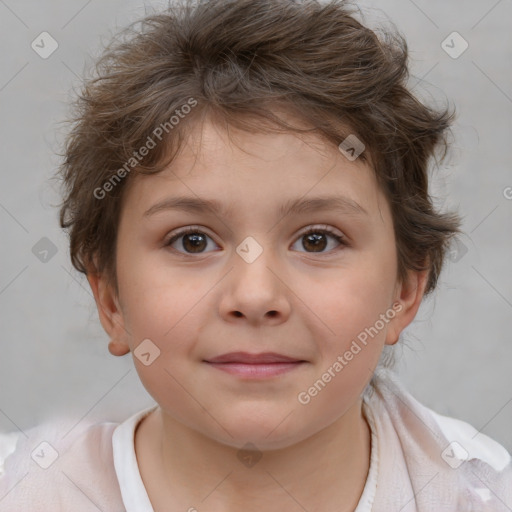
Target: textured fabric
x: 50, y: 473
x: 431, y: 462
x: 420, y: 462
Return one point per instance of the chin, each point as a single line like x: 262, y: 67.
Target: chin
x: 270, y: 434
x: 259, y: 441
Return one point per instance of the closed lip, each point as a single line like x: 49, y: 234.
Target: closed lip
x: 247, y: 358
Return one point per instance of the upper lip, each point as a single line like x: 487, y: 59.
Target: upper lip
x: 245, y: 357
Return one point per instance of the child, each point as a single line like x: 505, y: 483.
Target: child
x: 246, y: 190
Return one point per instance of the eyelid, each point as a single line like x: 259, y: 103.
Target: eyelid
x: 321, y: 227
x: 184, y: 231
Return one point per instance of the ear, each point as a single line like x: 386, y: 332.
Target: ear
x: 408, y: 295
x: 111, y: 316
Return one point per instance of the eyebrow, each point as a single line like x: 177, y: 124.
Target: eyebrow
x: 190, y: 204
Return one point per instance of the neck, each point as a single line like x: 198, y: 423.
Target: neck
x: 328, y: 468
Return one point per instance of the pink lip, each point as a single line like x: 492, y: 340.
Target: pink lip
x: 246, y: 358
x: 248, y: 365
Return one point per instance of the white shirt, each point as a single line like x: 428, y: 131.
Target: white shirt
x: 420, y: 462
x: 134, y: 493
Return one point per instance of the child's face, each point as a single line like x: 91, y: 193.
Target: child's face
x: 205, y: 297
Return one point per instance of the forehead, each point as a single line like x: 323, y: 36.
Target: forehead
x: 236, y: 167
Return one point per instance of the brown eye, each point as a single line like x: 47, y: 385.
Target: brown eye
x: 194, y: 242
x: 316, y: 240
x: 189, y: 241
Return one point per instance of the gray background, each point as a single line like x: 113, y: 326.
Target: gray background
x: 457, y: 354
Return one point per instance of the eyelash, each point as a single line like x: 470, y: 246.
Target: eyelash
x: 196, y: 229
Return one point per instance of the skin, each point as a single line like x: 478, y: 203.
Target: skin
x: 291, y: 300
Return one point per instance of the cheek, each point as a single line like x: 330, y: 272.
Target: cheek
x: 356, y: 311
x: 356, y: 297
x: 156, y: 297
x: 166, y: 314
x: 357, y: 314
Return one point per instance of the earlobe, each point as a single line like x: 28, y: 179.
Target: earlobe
x: 110, y: 314
x: 118, y: 348
x: 409, y: 296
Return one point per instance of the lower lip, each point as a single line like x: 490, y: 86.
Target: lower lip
x: 256, y: 370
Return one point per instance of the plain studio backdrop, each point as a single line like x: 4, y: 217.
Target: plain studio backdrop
x: 456, y: 356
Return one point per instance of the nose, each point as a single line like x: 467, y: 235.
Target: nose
x: 255, y: 291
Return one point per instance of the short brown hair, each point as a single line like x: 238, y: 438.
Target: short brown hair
x: 237, y: 60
